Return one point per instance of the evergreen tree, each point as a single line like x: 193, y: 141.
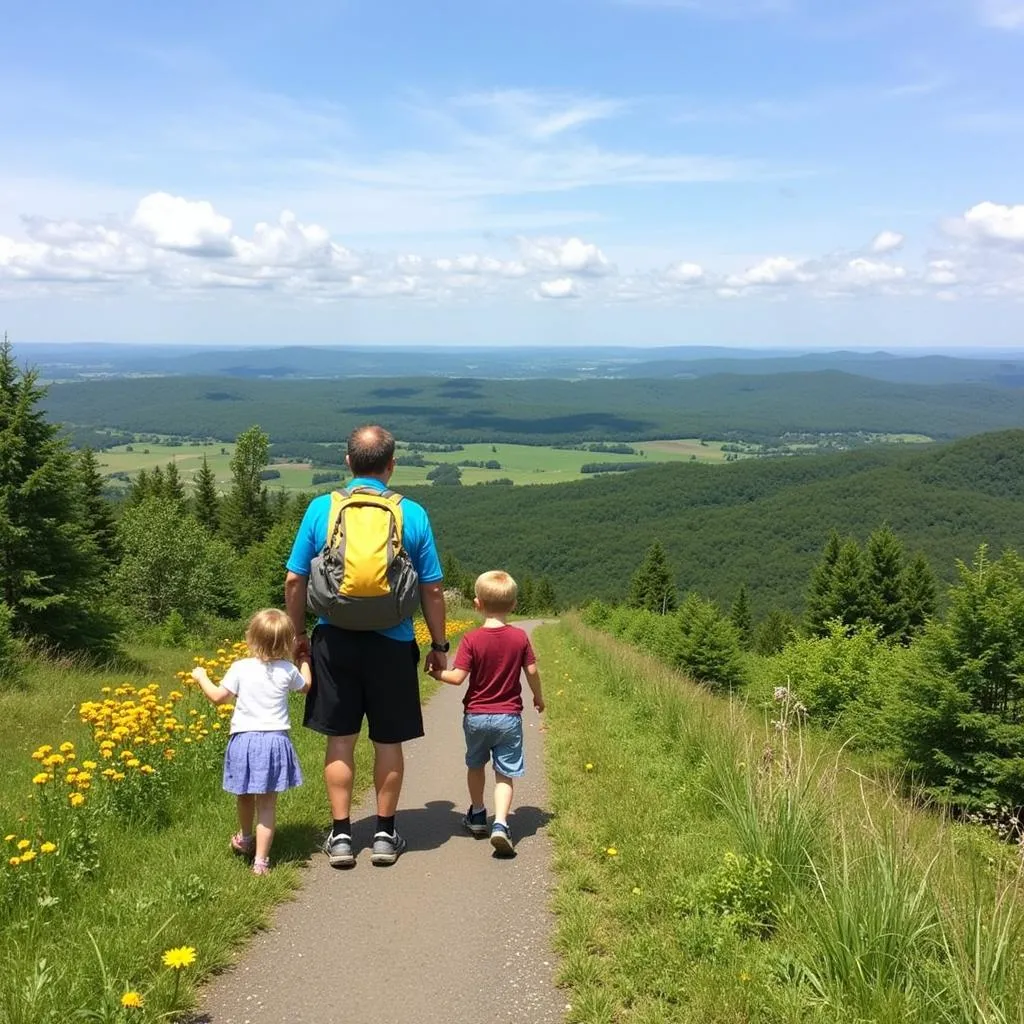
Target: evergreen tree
x: 776, y: 630
x: 454, y: 577
x: 245, y: 516
x: 819, y: 595
x: 849, y: 598
x: 525, y: 601
x: 51, y: 570
x: 157, y: 483
x: 174, y: 489
x: 919, y: 589
x: 742, y: 618
x: 205, y: 501
x: 652, y: 587
x: 141, y: 488
x: 884, y: 577
x: 545, y: 602
x: 708, y: 648
x: 97, y: 513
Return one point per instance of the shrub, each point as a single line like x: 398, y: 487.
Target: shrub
x: 708, y: 646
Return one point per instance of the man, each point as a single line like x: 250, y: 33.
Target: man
x: 359, y: 673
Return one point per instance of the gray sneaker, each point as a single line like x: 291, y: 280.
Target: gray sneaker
x: 339, y: 851
x: 386, y: 849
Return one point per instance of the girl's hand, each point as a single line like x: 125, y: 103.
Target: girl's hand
x: 199, y: 674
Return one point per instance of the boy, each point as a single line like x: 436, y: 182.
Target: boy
x: 493, y: 657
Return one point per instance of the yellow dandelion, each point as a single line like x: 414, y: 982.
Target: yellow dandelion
x: 48, y: 848
x: 45, y: 749
x: 179, y: 958
x: 9, y: 837
x: 132, y: 1000
x: 90, y: 766
x: 76, y: 799
x: 67, y: 748
x: 27, y: 856
x: 132, y: 762
x: 637, y: 891
x: 588, y: 767
x: 745, y: 976
x: 14, y: 861
x: 41, y: 778
x: 24, y: 844
x: 612, y: 852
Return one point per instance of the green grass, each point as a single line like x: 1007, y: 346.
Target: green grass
x: 74, y: 939
x: 714, y: 869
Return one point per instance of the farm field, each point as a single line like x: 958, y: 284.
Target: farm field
x: 521, y: 463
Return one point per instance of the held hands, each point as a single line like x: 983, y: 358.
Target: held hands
x: 437, y: 662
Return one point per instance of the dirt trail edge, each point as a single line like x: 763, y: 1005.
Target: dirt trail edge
x: 449, y: 934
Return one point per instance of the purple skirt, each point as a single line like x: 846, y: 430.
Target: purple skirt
x: 260, y: 762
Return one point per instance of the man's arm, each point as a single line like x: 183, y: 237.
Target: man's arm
x: 295, y: 604
x: 432, y: 602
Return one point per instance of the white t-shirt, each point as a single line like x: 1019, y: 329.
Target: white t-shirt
x: 261, y: 694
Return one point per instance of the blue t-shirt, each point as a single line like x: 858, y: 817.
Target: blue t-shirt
x: 417, y: 538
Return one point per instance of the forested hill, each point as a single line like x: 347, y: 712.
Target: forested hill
x: 759, y: 523
x: 537, y: 411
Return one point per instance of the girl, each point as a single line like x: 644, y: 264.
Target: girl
x: 260, y: 760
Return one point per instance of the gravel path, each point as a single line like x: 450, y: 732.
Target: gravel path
x: 449, y: 934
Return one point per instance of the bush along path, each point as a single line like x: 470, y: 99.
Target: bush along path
x: 449, y: 934
x: 716, y: 864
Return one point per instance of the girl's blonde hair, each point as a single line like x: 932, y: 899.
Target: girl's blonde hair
x: 496, y: 591
x: 270, y: 635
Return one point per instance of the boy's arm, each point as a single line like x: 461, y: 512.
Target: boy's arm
x: 217, y: 694
x: 451, y: 676
x: 533, y: 681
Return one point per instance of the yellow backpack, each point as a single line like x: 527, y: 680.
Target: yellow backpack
x: 363, y: 578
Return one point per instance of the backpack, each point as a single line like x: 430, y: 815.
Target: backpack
x: 363, y: 579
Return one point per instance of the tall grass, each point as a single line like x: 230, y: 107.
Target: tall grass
x: 877, y: 911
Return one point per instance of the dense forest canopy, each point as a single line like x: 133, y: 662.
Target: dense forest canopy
x: 759, y: 408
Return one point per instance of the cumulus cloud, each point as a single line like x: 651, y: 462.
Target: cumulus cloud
x: 181, y: 225
x: 560, y: 288
x: 772, y: 272
x: 685, y: 275
x: 865, y: 273
x: 991, y: 224
x: 941, y: 272
x: 887, y: 241
x: 568, y: 254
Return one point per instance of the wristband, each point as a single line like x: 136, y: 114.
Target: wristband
x: 441, y: 648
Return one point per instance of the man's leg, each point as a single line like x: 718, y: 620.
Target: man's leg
x: 388, y: 772
x: 340, y: 773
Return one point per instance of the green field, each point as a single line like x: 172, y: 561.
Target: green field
x: 521, y: 463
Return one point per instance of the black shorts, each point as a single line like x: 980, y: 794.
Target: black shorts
x: 363, y: 673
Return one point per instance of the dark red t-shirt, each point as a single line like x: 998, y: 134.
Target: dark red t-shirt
x: 494, y: 659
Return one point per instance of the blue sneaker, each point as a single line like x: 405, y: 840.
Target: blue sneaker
x: 475, y: 822
x: 501, y: 840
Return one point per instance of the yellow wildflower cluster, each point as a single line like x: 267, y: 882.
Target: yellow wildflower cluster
x: 26, y: 852
x: 455, y: 626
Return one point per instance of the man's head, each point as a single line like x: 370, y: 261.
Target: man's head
x: 371, y: 452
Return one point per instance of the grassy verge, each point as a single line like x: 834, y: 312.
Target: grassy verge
x: 717, y: 867
x: 120, y: 871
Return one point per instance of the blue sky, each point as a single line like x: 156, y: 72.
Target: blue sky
x: 798, y: 173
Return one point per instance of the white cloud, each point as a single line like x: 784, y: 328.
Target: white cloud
x: 771, y: 272
x: 941, y: 272
x: 887, y: 241
x: 865, y: 273
x: 1006, y: 14
x: 172, y: 222
x: 560, y: 288
x: 568, y: 254
x: 991, y: 224
x: 685, y: 275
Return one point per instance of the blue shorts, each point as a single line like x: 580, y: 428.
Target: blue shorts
x: 495, y: 738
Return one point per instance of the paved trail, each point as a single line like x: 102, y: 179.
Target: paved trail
x: 448, y: 935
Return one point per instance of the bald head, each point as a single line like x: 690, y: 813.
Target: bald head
x: 370, y: 450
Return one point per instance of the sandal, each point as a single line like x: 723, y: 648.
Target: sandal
x: 261, y: 866
x: 245, y: 845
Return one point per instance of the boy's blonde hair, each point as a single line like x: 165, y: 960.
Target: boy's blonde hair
x: 270, y: 635
x: 496, y: 591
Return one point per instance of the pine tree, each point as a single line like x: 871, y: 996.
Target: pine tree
x: 245, y: 516
x: 884, y: 576
x: 545, y: 602
x: 451, y: 570
x: 849, y: 598
x: 97, y: 513
x: 525, y: 601
x: 776, y: 630
x: 51, y: 571
x: 205, y: 501
x: 157, y: 483
x: 919, y: 589
x: 174, y: 489
x: 141, y: 488
x: 652, y: 587
x: 819, y: 594
x: 742, y: 618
